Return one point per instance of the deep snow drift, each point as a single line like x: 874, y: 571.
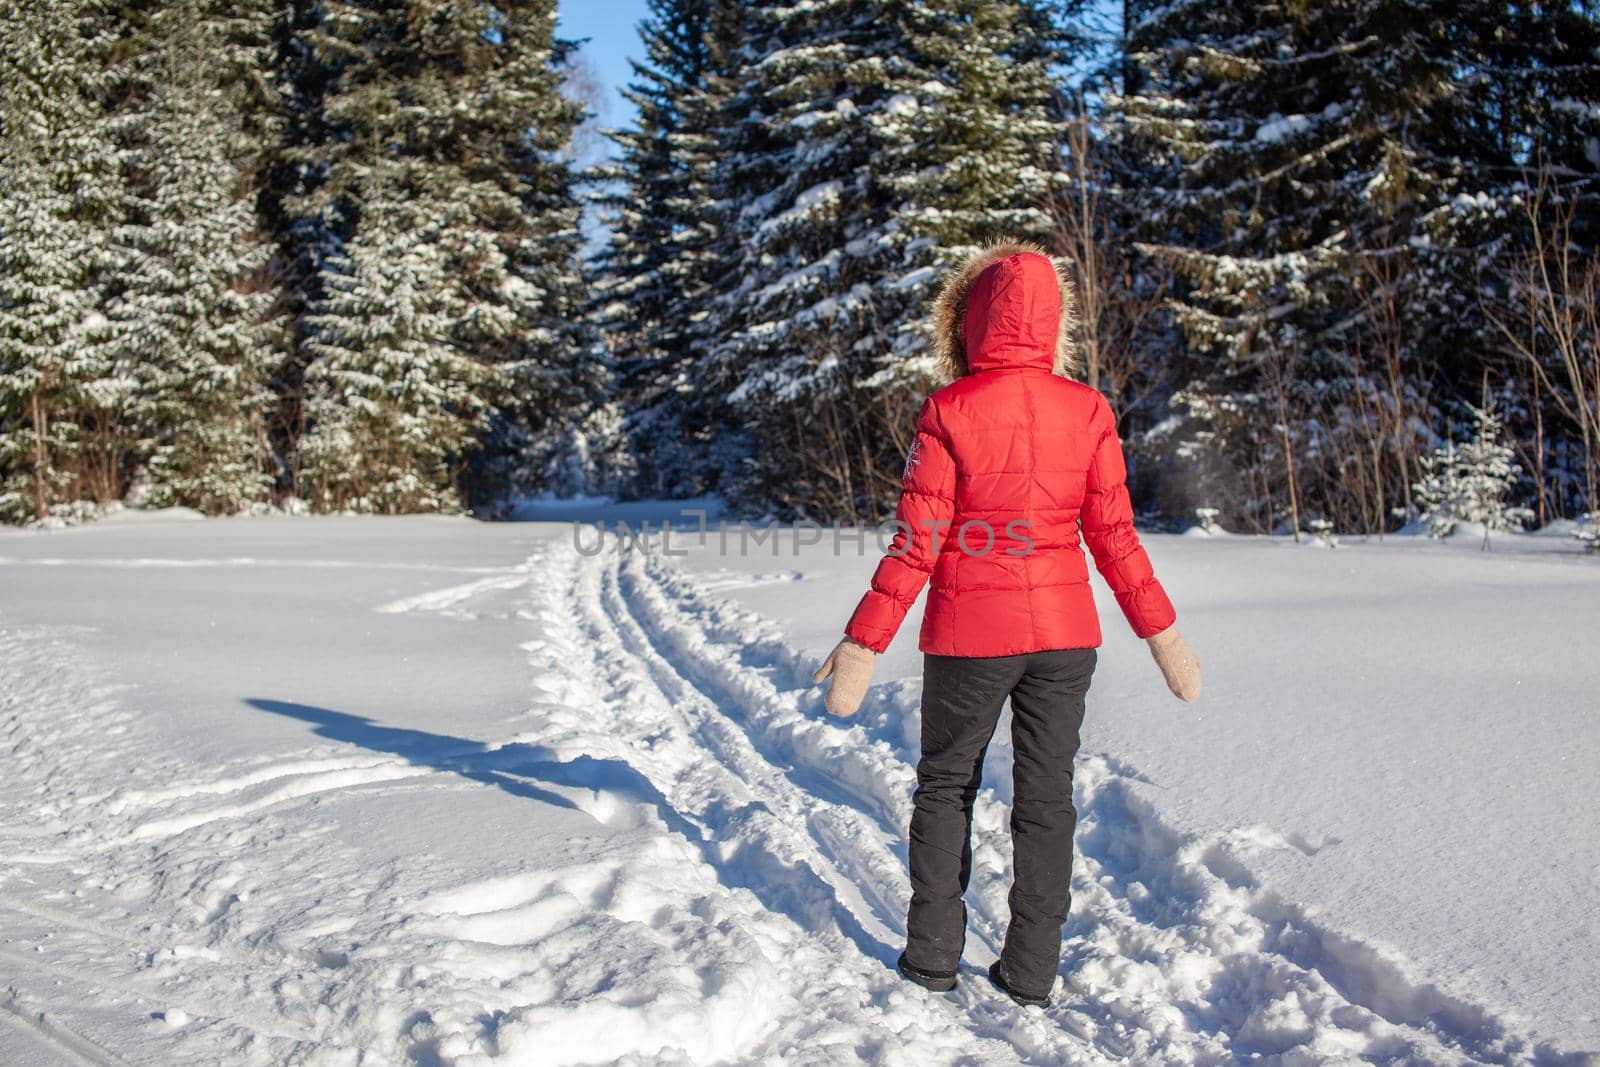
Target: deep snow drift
x: 432, y: 791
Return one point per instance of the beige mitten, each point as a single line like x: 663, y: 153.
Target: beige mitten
x: 850, y: 665
x: 1177, y: 662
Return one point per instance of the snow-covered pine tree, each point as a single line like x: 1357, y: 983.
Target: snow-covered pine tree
x: 442, y: 179
x: 868, y: 143
x: 654, y: 276
x: 1294, y: 160
x: 191, y: 314
x: 394, y: 406
x: 303, y: 226
x: 1472, y: 482
x: 64, y: 436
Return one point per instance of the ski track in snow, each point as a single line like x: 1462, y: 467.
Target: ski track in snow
x: 52, y: 1034
x: 749, y: 908
x: 1174, y: 955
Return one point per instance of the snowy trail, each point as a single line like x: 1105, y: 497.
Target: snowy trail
x: 665, y: 852
x: 1175, y: 955
x: 816, y: 874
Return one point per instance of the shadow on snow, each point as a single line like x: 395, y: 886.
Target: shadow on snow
x: 525, y: 770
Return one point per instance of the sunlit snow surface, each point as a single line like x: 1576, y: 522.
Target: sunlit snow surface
x: 432, y: 791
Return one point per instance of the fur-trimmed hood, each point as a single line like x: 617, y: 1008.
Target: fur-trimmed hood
x: 1023, y: 312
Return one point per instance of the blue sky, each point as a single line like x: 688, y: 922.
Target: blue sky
x: 610, y: 26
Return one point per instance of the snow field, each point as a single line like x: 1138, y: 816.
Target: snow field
x: 663, y: 852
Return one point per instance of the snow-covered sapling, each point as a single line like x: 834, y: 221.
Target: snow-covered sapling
x: 1588, y: 533
x: 1471, y: 482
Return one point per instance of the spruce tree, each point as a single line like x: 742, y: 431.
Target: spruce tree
x: 656, y: 272
x: 64, y: 430
x: 191, y: 313
x: 442, y: 175
x: 304, y: 228
x: 394, y: 405
x: 869, y: 144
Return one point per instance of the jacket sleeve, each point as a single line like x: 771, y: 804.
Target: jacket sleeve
x: 922, y: 520
x: 1107, y: 517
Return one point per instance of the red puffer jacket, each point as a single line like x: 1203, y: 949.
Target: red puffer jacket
x: 1006, y: 462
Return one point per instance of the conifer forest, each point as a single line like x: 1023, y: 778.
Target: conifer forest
x: 340, y: 255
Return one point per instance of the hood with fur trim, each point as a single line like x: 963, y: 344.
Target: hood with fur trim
x: 1009, y: 305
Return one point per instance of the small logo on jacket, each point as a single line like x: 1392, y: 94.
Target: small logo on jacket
x: 912, y: 459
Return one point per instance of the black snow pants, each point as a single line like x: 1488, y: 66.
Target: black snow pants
x: 961, y: 701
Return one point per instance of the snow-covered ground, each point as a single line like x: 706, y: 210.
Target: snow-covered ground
x: 433, y: 791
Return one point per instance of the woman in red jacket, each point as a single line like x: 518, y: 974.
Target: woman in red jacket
x: 1009, y: 463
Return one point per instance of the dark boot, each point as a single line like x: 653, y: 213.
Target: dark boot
x: 938, y: 982
x: 997, y: 975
